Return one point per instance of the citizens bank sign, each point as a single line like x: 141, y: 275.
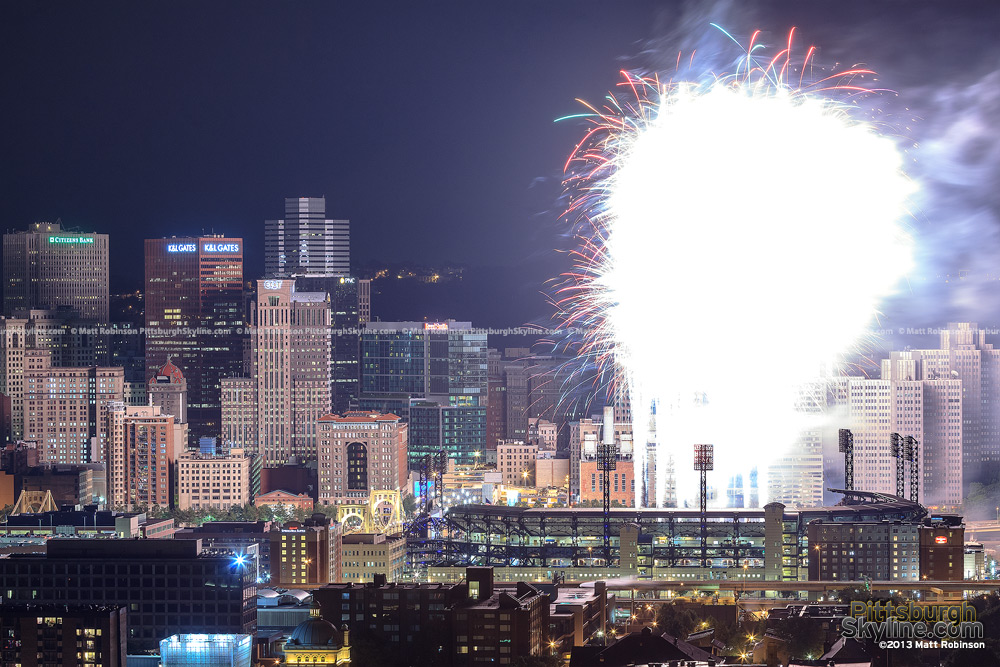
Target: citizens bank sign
x: 71, y: 240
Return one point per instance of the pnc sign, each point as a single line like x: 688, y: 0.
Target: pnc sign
x: 71, y: 240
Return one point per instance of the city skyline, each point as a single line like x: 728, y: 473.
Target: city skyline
x: 522, y: 334
x: 509, y: 200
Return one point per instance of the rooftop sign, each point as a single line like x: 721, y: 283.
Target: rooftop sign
x: 220, y: 247
x: 71, y: 240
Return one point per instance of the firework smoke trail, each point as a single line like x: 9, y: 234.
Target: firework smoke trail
x: 754, y: 207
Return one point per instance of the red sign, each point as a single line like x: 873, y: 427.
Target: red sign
x: 941, y: 540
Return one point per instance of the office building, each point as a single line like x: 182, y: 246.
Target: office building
x: 36, y: 635
x: 577, y: 614
x: 364, y: 302
x: 306, y: 553
x: 360, y: 452
x: 469, y: 623
x: 435, y: 375
x: 496, y: 405
x: 315, y: 252
x: 365, y: 555
x: 58, y: 331
x: 306, y: 242
x: 143, y: 447
x: 343, y: 293
x: 499, y: 626
x: 239, y: 413
x: 459, y: 431
x: 48, y: 267
x: 294, y: 476
x: 517, y: 394
x: 291, y: 358
x: 964, y: 355
x: 238, y: 537
x: 169, y: 586
x: 125, y: 344
x: 516, y: 461
x: 193, y: 311
x: 930, y: 410
x: 553, y: 389
x: 213, y: 481
x: 66, y: 408
x: 206, y: 651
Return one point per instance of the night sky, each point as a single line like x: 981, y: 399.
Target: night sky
x: 430, y: 125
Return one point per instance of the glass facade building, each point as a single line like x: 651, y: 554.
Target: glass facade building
x: 435, y: 375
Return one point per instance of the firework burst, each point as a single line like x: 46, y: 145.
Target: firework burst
x: 736, y: 233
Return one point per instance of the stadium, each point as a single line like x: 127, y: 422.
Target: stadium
x: 768, y: 543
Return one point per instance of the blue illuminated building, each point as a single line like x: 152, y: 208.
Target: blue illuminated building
x: 206, y: 651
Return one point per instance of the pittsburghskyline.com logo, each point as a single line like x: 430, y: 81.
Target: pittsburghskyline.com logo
x: 912, y: 625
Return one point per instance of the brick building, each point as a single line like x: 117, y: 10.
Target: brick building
x: 360, y: 452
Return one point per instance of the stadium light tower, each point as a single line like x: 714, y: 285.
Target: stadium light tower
x: 910, y: 450
x: 846, y: 442
x: 607, y: 460
x: 704, y: 460
x: 898, y: 452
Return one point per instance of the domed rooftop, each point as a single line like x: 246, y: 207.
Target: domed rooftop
x: 168, y: 373
x: 314, y: 631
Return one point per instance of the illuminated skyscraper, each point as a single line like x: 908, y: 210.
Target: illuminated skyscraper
x: 48, y: 267
x: 291, y: 357
x: 315, y: 252
x: 305, y: 242
x: 342, y: 293
x: 194, y: 309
